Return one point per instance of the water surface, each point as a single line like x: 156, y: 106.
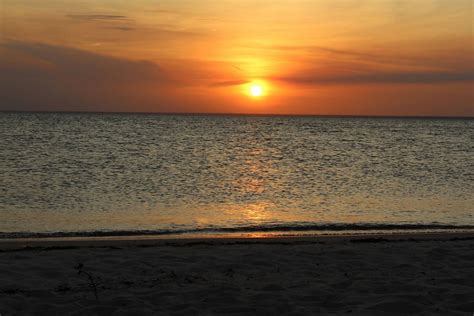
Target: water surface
x: 178, y: 173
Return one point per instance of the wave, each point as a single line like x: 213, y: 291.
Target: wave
x: 272, y: 228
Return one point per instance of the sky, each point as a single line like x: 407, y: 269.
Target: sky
x: 323, y: 57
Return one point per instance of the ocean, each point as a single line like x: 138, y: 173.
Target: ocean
x: 82, y: 174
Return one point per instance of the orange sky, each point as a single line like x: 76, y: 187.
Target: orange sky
x: 349, y: 57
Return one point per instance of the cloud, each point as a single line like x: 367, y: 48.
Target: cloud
x: 77, y: 64
x: 120, y: 28
x: 345, y: 66
x: 408, y: 77
x: 98, y: 17
x: 125, y: 23
x: 37, y: 76
x: 164, y: 11
x: 330, y: 50
x: 228, y: 83
x: 437, y: 61
x: 314, y: 48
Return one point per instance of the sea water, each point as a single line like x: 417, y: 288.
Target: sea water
x: 99, y: 174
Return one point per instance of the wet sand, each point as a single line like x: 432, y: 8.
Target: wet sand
x: 383, y: 274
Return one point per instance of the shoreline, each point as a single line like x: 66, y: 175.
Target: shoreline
x: 223, y: 239
x: 280, y: 230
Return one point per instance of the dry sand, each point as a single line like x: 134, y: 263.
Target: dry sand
x: 369, y: 276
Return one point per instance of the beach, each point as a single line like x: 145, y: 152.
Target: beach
x: 381, y: 274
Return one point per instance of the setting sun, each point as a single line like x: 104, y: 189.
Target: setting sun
x: 256, y: 90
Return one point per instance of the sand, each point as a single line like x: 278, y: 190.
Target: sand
x: 432, y: 274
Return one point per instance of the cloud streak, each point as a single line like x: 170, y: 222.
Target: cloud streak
x: 98, y: 17
x: 330, y: 50
x: 120, y: 28
x: 228, y: 83
x: 312, y: 78
x: 345, y: 66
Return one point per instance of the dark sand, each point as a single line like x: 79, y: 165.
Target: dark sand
x: 365, y: 275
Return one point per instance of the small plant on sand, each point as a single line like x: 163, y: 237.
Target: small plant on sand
x: 92, y: 283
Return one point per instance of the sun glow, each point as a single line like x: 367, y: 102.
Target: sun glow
x: 256, y: 89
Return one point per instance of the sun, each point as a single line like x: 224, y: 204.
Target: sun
x: 256, y: 90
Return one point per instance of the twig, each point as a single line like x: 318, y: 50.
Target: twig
x: 93, y: 285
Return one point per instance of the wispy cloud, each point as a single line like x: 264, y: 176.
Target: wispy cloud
x: 228, y: 83
x: 327, y: 65
x: 329, y: 50
x: 99, y: 17
x: 439, y: 60
x: 408, y: 77
x: 164, y: 11
x: 119, y: 28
